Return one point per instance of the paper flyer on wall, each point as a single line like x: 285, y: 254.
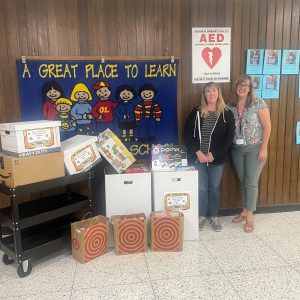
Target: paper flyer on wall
x: 298, y: 133
x: 299, y: 86
x: 257, y: 84
x: 271, y: 85
x: 290, y: 61
x: 255, y: 59
x: 211, y: 54
x: 272, y: 61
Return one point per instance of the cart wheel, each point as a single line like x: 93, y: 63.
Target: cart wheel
x: 24, y: 269
x: 7, y: 260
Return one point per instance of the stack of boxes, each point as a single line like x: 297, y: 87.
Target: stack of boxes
x: 32, y: 152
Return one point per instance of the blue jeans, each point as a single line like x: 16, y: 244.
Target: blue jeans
x: 209, y: 188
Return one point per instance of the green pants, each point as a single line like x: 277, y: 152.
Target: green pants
x: 248, y: 168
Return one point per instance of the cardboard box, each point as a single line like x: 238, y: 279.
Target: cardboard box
x: 80, y: 153
x: 167, y: 158
x: 16, y: 171
x: 167, y: 231
x: 30, y: 138
x: 126, y: 193
x: 130, y: 233
x: 113, y: 150
x: 178, y: 191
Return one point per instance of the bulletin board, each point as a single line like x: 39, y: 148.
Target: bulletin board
x: 136, y: 97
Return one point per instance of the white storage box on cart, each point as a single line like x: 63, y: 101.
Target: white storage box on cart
x: 185, y: 182
x: 80, y: 153
x: 127, y: 193
x: 29, y: 138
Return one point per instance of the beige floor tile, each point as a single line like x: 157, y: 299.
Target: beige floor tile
x: 271, y: 283
x: 111, y: 269
x: 137, y: 291
x: 286, y: 245
x: 197, y: 261
x: 214, y: 286
x: 242, y: 254
x: 53, y: 273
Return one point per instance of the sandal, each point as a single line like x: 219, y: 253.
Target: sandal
x: 239, y: 219
x: 249, y: 227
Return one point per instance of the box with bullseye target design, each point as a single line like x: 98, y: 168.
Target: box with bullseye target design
x: 167, y: 231
x: 130, y: 233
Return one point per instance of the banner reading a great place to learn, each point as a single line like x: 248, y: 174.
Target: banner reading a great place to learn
x: 136, y: 99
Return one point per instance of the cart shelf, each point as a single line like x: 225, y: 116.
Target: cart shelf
x: 41, y: 226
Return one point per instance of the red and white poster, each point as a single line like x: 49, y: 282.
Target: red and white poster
x: 211, y: 54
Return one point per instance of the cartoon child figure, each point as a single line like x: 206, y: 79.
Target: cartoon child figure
x: 125, y: 112
x: 51, y: 91
x: 147, y: 114
x: 102, y: 111
x: 81, y: 111
x: 68, y: 123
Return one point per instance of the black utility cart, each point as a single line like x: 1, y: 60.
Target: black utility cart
x: 39, y: 227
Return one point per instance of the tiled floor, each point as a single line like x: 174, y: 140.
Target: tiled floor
x: 226, y: 265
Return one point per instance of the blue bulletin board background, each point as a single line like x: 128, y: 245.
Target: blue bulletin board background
x: 157, y: 78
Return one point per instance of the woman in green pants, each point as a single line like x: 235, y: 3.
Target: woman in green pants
x: 250, y: 145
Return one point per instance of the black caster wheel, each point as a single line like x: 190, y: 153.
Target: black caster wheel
x: 7, y: 260
x: 24, y: 269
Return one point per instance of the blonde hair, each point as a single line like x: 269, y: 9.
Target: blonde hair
x: 80, y: 87
x: 251, y: 98
x: 221, y: 106
x: 63, y: 101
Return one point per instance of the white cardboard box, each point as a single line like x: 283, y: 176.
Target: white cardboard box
x: 80, y: 153
x: 29, y: 138
x: 168, y: 184
x: 127, y: 193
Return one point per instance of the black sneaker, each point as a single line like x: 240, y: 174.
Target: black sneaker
x: 202, y: 221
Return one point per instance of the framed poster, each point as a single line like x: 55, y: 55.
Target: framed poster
x: 211, y: 54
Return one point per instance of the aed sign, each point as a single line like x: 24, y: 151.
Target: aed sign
x: 211, y: 54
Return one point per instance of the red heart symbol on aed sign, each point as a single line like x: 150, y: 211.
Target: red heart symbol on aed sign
x: 211, y: 56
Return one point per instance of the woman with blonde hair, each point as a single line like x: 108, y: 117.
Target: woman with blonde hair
x: 250, y: 144
x: 208, y: 134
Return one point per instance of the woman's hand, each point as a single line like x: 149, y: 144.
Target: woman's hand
x: 262, y: 155
x: 201, y: 157
x: 210, y: 157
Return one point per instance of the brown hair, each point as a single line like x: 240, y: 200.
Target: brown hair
x: 221, y: 106
x: 251, y: 98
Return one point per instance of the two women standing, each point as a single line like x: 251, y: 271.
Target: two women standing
x: 211, y: 129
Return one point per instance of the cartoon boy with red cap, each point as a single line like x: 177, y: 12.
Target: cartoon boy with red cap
x: 102, y: 111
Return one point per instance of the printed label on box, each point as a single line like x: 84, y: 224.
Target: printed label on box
x: 175, y: 201
x: 41, y: 137
x: 83, y: 157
